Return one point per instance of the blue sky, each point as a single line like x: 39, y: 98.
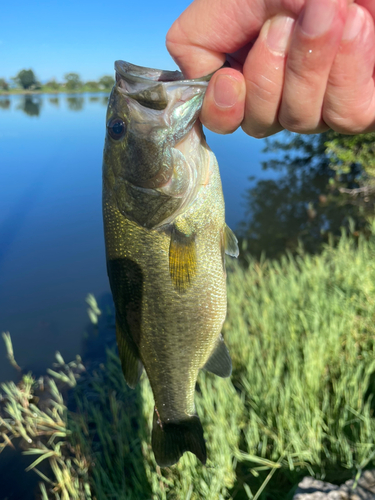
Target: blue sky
x: 56, y: 37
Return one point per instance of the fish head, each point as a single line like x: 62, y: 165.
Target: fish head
x: 152, y: 166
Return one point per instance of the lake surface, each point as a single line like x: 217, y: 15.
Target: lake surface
x: 51, y: 235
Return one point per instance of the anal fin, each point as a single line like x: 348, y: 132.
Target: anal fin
x: 170, y: 440
x: 131, y: 364
x: 219, y: 362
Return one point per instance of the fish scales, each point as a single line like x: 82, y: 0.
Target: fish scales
x: 168, y: 280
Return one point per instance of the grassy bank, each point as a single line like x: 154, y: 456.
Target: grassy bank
x: 300, y: 401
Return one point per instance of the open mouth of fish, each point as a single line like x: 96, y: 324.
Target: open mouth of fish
x: 154, y: 87
x: 141, y: 75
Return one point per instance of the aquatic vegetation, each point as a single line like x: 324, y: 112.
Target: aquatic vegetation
x: 93, y: 310
x: 300, y: 400
x: 34, y: 416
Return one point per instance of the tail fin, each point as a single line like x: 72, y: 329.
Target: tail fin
x: 171, y: 440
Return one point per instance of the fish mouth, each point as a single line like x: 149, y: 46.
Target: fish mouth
x: 157, y: 89
x: 134, y: 75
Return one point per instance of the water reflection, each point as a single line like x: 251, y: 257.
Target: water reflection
x: 4, y: 103
x: 54, y: 101
x: 75, y: 103
x: 304, y: 204
x: 30, y: 104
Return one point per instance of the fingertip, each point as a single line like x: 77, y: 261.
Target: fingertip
x: 349, y: 103
x: 224, y: 103
x: 355, y: 22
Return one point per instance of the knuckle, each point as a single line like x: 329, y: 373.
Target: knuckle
x: 305, y: 80
x: 351, y: 118
x: 296, y: 117
x: 260, y: 132
x: 345, y: 125
x: 263, y: 88
x: 300, y: 126
x: 295, y: 124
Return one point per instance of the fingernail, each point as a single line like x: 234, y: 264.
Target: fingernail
x: 226, y: 91
x: 354, y: 23
x: 318, y: 16
x: 279, y: 31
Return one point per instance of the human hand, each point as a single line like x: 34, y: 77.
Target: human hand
x: 302, y: 65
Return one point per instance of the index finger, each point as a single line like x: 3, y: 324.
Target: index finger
x: 209, y: 29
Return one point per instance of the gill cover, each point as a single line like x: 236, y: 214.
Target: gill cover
x: 150, y: 113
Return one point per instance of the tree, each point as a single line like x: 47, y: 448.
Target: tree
x: 3, y: 84
x: 73, y: 81
x: 92, y: 85
x: 26, y: 78
x: 106, y: 82
x: 347, y: 150
x: 53, y: 84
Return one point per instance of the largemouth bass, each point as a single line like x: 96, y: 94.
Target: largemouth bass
x: 166, y: 240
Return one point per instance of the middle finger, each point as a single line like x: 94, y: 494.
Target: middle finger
x: 315, y: 42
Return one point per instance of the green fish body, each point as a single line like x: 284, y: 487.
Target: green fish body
x: 166, y: 240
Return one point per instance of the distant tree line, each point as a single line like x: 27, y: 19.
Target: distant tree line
x: 27, y: 80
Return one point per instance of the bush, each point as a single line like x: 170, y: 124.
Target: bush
x: 3, y: 84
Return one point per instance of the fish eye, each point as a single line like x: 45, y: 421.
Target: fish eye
x: 116, y: 128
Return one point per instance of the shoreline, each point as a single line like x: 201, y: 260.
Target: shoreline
x: 38, y: 92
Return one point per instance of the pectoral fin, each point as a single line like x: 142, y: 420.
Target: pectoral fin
x: 182, y: 259
x: 131, y: 364
x: 219, y: 362
x: 230, y: 242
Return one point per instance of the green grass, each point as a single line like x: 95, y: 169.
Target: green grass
x: 301, y: 335
x: 33, y: 417
x: 299, y: 402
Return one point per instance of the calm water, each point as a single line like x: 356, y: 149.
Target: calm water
x: 51, y: 237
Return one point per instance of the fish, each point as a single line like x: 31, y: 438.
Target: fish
x: 166, y: 240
